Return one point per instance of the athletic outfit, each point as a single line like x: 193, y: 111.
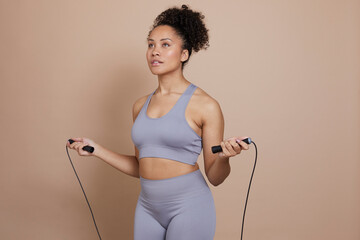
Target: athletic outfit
x: 181, y: 207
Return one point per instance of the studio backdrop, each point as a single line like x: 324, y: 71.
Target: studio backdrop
x: 285, y: 73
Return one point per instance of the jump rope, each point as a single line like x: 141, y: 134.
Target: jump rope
x: 214, y: 149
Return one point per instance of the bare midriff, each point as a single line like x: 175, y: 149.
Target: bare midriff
x: 162, y: 168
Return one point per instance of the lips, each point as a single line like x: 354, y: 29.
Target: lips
x: 156, y: 62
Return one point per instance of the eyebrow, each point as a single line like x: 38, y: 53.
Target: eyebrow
x: 149, y: 39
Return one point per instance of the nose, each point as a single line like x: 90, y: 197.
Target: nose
x: 155, y: 51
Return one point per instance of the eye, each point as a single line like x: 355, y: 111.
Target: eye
x: 166, y: 45
x: 150, y: 45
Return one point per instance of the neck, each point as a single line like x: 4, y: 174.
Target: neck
x: 172, y: 82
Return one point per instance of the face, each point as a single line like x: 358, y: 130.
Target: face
x: 165, y: 54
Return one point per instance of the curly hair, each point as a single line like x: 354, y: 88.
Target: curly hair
x: 188, y: 24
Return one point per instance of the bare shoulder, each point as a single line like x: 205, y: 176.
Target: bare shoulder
x: 206, y: 101
x: 138, y: 104
x: 206, y: 104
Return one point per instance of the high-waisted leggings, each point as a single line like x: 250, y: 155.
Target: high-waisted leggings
x: 177, y: 208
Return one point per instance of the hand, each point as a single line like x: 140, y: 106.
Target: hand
x: 79, y: 143
x: 231, y: 148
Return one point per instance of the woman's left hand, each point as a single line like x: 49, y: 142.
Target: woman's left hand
x: 230, y: 147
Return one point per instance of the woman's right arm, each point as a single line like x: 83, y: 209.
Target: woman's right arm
x: 127, y: 164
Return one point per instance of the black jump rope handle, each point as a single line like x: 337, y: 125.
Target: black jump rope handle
x: 87, y: 148
x: 216, y: 149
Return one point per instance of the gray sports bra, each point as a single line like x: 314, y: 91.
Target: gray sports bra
x: 169, y: 136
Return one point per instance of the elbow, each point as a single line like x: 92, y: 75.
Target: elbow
x: 216, y: 179
x: 215, y: 183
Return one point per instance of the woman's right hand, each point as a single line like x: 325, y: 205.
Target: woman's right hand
x: 79, y: 143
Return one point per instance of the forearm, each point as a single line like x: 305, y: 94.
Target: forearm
x: 219, y: 171
x: 125, y: 163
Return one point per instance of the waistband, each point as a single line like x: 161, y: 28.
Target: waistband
x: 174, y: 188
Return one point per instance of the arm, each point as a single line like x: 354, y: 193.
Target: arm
x: 217, y: 166
x: 125, y: 163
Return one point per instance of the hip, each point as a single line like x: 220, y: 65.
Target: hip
x: 174, y: 189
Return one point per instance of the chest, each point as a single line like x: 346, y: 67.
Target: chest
x: 159, y: 107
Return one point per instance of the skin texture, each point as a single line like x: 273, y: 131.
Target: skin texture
x: 166, y: 46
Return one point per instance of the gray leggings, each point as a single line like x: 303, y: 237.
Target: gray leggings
x: 177, y: 208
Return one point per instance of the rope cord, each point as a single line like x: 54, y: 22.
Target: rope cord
x: 97, y: 230
x: 242, y: 227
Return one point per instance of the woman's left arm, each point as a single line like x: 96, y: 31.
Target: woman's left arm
x: 217, y: 166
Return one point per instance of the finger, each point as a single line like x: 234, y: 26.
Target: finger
x: 235, y: 146
x: 73, y: 143
x: 243, y: 145
x: 77, y: 145
x: 224, y: 149
x: 81, y: 145
x: 80, y: 150
x: 230, y: 148
x: 241, y: 138
x: 75, y: 139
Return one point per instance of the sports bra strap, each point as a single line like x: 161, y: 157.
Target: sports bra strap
x: 180, y: 106
x: 184, y: 100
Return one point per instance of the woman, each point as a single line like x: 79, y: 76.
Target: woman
x: 171, y: 127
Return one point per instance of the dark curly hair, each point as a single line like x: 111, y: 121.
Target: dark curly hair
x: 188, y: 24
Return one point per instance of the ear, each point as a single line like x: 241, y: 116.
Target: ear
x: 184, y: 55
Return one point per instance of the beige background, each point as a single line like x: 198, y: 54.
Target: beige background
x: 285, y: 73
